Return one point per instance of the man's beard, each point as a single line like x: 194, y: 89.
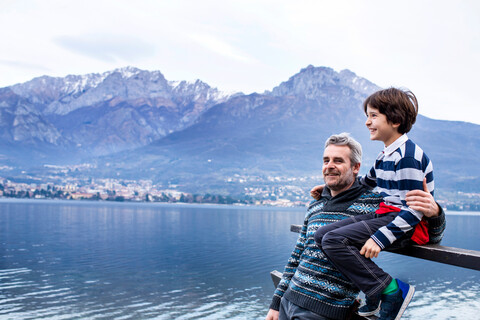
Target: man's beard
x: 342, y: 182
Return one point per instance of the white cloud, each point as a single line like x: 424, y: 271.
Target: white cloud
x: 107, y: 47
x: 23, y: 65
x: 431, y: 47
x: 220, y: 47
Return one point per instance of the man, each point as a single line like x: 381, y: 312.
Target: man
x: 311, y: 287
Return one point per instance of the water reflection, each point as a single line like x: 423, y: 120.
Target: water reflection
x: 78, y: 260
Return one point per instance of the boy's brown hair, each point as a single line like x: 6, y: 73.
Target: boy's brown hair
x: 397, y: 105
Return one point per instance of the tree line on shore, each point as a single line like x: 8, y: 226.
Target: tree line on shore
x: 55, y: 193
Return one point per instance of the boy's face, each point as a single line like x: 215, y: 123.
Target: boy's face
x: 380, y: 128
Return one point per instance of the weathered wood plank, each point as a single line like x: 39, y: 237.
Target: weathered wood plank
x: 433, y: 252
x: 295, y: 228
x: 276, y: 277
x: 459, y: 257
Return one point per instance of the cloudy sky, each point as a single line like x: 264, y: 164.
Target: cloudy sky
x: 429, y: 47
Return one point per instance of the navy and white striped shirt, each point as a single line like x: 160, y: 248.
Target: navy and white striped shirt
x: 399, y: 168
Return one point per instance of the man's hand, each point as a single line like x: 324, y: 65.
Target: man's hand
x: 370, y: 249
x: 316, y: 192
x: 272, y: 315
x: 423, y: 201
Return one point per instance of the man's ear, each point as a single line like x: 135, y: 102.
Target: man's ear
x: 356, y: 168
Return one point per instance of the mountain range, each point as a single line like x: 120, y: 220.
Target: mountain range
x: 135, y: 124
x: 96, y: 114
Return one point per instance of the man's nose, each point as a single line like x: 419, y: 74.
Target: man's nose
x: 329, y: 164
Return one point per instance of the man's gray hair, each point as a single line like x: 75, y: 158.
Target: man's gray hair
x: 344, y: 139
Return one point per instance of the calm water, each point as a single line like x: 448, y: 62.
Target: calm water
x: 91, y: 260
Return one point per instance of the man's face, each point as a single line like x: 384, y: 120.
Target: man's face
x: 338, y: 172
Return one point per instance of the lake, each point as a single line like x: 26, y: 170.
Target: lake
x: 102, y: 260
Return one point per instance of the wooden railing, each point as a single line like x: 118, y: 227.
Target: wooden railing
x: 448, y: 255
x: 459, y: 257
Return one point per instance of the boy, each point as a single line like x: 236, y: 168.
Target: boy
x: 402, y: 166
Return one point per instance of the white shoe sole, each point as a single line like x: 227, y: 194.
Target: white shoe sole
x: 370, y: 313
x: 408, y: 298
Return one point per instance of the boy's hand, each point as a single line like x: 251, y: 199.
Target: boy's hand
x: 316, y: 192
x: 370, y: 249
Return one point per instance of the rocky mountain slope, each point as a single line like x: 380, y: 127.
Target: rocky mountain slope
x: 135, y: 124
x: 97, y: 114
x: 281, y: 134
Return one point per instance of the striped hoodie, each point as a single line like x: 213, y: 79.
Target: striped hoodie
x: 399, y: 168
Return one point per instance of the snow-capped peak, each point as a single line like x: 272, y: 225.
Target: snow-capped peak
x: 127, y: 72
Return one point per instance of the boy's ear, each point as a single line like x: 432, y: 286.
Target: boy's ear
x: 395, y: 125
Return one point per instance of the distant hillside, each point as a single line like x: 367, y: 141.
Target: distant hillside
x: 192, y: 135
x: 63, y: 119
x: 282, y: 132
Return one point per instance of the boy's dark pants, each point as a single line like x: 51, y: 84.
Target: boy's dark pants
x: 341, y: 242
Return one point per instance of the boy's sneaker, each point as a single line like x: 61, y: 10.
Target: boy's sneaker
x: 371, y: 307
x: 394, y: 305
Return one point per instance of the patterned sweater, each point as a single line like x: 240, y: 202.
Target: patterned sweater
x: 399, y: 168
x: 309, y: 279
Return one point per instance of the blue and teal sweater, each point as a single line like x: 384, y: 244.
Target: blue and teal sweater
x: 309, y: 279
